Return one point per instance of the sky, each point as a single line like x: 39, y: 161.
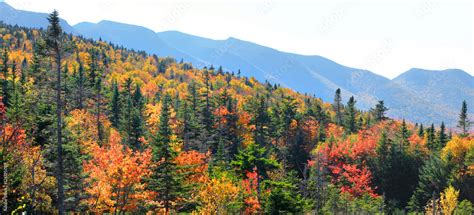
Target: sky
x: 387, y: 37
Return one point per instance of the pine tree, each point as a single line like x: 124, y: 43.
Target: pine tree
x: 464, y: 124
x: 254, y: 156
x: 350, y: 119
x: 5, y: 82
x: 433, y: 178
x: 442, y: 137
x: 421, y: 131
x: 379, y: 111
x: 338, y: 106
x: 137, y: 118
x: 80, y: 81
x: 115, y: 105
x: 431, y: 141
x: 165, y: 179
x: 261, y: 121
x: 55, y: 47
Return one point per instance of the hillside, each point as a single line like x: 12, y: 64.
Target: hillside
x: 87, y: 126
x: 307, y: 74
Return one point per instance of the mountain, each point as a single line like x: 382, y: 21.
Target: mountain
x: 416, y: 95
x: 448, y: 86
x: 12, y: 16
x: 130, y: 36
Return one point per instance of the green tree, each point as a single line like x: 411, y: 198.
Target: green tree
x: 464, y: 123
x: 165, y: 179
x: 433, y: 177
x: 442, y: 137
x: 338, y: 106
x: 5, y: 82
x: 379, y: 111
x: 115, y: 105
x: 254, y: 156
x: 350, y: 119
x: 57, y: 48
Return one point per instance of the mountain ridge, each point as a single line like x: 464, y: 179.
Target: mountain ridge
x: 312, y: 74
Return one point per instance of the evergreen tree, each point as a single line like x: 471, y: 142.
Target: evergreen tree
x: 421, y: 131
x: 165, y: 179
x: 338, y: 106
x: 80, y: 81
x: 350, y: 119
x: 442, y: 137
x: 433, y: 178
x: 55, y: 47
x: 254, y: 156
x: 464, y: 124
x: 261, y: 121
x: 5, y: 82
x: 136, y: 131
x: 115, y: 105
x: 431, y: 142
x: 379, y: 111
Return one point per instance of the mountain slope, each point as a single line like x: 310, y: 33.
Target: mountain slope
x: 12, y: 16
x: 417, y: 95
x: 130, y: 36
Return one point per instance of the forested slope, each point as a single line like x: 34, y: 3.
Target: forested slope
x: 140, y: 133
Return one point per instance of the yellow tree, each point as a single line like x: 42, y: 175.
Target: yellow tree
x: 449, y: 200
x: 216, y: 195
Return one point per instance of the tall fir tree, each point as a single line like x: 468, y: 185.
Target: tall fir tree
x: 165, y: 179
x: 5, y: 76
x: 464, y: 123
x: 56, y: 48
x: 115, y: 105
x: 442, y: 137
x: 338, y: 106
x: 379, y: 111
x: 350, y: 118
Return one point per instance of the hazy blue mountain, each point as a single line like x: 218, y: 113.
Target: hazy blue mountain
x: 130, y: 36
x: 12, y: 16
x: 446, y: 86
x: 416, y: 95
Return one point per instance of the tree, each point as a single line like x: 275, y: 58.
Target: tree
x: 254, y: 156
x: 379, y: 111
x: 433, y: 178
x: 350, y: 118
x: 449, y: 200
x: 5, y: 82
x: 55, y: 47
x: 338, y: 106
x: 115, y: 105
x: 165, y: 179
x: 442, y: 137
x: 116, y: 174
x: 464, y: 122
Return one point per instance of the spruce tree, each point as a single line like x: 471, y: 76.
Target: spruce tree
x: 350, y: 119
x: 442, y: 137
x: 165, y: 179
x: 5, y: 75
x: 379, y: 111
x: 115, y: 105
x: 338, y: 106
x: 421, y: 131
x: 55, y: 47
x: 464, y: 123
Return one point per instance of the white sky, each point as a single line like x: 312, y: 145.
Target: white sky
x: 387, y: 37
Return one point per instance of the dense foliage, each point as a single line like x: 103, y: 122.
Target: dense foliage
x: 91, y: 127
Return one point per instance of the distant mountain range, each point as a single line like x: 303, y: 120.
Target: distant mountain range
x: 417, y: 95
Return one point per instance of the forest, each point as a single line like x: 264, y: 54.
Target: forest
x: 91, y: 127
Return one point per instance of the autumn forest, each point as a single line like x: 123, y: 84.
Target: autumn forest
x: 88, y: 126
